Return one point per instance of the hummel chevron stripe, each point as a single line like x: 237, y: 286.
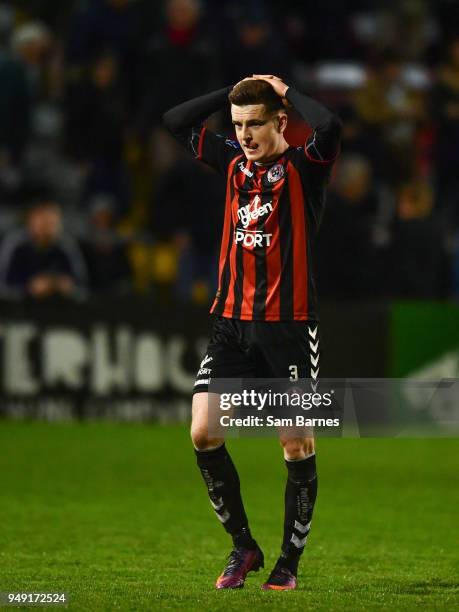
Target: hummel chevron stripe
x: 223, y: 517
x: 302, y: 528
x: 296, y: 540
x: 218, y: 504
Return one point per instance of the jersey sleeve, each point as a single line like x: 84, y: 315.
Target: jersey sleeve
x: 185, y: 122
x: 213, y: 149
x: 323, y: 145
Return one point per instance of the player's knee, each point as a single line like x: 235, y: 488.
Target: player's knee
x: 293, y: 448
x: 297, y: 448
x: 201, y: 439
x: 199, y: 422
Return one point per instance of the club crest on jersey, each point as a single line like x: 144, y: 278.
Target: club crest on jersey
x: 275, y: 173
x: 245, y: 170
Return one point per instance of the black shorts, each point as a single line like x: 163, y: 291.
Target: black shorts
x: 260, y: 349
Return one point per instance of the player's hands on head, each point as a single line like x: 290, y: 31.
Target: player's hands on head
x: 276, y: 83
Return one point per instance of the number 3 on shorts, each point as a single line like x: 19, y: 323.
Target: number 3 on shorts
x: 293, y: 372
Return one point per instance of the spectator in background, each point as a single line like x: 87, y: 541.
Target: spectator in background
x: 346, y: 255
x: 356, y: 139
x: 391, y: 109
x: 318, y: 31
x: 407, y: 26
x: 181, y: 214
x: 181, y: 61
x: 254, y: 46
x: 445, y: 109
x: 97, y: 114
x: 31, y: 43
x: 20, y: 84
x: 105, y: 24
x: 105, y: 251
x: 41, y: 261
x: 415, y: 256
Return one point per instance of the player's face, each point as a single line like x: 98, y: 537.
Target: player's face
x: 258, y: 133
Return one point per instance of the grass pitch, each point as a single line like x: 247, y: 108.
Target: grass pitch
x: 118, y: 517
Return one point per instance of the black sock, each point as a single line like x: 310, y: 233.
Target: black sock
x: 223, y: 486
x: 300, y: 496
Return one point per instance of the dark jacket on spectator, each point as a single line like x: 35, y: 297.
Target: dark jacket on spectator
x: 21, y: 260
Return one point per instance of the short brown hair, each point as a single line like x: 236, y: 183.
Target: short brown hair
x: 256, y: 91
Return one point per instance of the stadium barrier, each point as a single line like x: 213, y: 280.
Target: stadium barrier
x: 135, y: 360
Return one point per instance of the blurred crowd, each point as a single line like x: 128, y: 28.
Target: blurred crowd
x: 97, y: 199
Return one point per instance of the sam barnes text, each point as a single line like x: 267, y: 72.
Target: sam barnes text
x: 271, y: 421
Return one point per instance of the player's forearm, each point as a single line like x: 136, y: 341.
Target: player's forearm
x: 194, y: 112
x: 326, y: 125
x: 314, y: 113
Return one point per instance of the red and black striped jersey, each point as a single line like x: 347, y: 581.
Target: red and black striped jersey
x: 272, y: 214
